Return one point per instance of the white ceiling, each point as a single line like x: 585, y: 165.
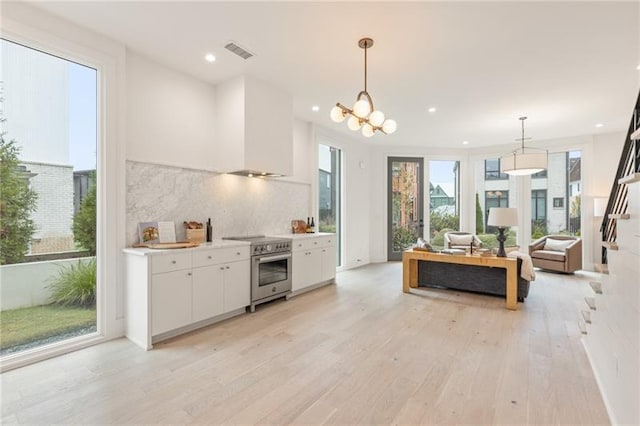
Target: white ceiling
x: 567, y: 66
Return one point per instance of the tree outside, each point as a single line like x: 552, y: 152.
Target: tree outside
x: 17, y: 202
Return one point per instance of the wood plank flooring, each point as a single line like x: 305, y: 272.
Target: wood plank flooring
x: 359, y: 352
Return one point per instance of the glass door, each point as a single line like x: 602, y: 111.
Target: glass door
x: 404, y: 204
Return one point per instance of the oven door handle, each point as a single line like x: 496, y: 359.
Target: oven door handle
x: 272, y: 258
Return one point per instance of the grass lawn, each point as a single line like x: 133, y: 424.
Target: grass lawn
x: 19, y: 326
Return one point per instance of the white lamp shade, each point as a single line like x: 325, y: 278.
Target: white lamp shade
x: 599, y: 206
x: 367, y: 131
x: 503, y: 217
x: 376, y: 118
x: 389, y: 126
x: 523, y: 163
x: 362, y: 108
x: 337, y: 114
x: 353, y: 123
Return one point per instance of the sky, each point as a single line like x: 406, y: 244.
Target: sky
x: 82, y: 116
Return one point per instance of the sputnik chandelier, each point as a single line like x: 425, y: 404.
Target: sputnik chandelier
x: 363, y: 115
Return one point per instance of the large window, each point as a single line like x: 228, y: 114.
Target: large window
x: 48, y: 244
x: 329, y: 160
x: 444, y: 196
x: 556, y: 200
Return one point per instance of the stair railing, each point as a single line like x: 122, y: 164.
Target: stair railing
x: 629, y: 164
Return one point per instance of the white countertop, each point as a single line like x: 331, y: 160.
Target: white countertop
x: 143, y: 251
x: 303, y: 236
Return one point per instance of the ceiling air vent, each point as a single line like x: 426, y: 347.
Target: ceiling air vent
x: 234, y: 48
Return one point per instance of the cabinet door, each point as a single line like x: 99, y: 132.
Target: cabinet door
x: 306, y: 269
x: 328, y: 263
x: 237, y: 285
x: 170, y: 301
x: 207, y: 292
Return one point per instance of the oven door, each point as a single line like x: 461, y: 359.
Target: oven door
x: 270, y: 275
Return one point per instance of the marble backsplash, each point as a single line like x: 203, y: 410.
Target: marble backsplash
x: 236, y: 205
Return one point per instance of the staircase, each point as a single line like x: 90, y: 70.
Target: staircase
x: 628, y: 170
x: 610, y: 318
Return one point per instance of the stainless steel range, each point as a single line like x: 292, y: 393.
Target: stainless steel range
x: 270, y: 268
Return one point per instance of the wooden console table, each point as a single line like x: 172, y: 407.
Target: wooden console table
x: 411, y: 257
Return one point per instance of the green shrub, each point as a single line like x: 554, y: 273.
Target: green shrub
x: 439, y: 221
x: 403, y: 238
x: 75, y: 285
x: 437, y: 241
x: 479, y: 216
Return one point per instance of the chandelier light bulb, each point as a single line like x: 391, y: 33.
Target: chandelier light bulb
x: 353, y: 123
x: 376, y: 118
x: 389, y: 126
x: 337, y: 114
x: 367, y: 130
x: 362, y: 108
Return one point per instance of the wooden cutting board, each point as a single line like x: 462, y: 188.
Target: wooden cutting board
x: 183, y: 244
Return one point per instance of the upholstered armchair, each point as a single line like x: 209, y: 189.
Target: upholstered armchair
x: 561, y: 253
x: 461, y: 240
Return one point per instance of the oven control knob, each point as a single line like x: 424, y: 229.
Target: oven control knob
x: 268, y: 247
x: 273, y: 290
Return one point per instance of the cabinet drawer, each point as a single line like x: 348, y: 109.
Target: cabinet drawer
x: 170, y: 262
x: 313, y: 242
x: 217, y: 256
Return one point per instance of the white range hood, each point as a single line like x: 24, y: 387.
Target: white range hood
x: 254, y: 129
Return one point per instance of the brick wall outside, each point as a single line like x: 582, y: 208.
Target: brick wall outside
x: 54, y: 215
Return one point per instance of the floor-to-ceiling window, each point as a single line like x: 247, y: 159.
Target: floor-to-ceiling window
x: 329, y: 195
x: 556, y: 196
x: 444, y: 199
x: 48, y: 171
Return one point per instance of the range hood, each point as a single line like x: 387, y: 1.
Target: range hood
x: 254, y: 129
x: 255, y: 173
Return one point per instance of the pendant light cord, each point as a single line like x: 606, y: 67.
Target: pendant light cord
x: 365, y: 66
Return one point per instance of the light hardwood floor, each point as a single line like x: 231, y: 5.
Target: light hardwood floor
x: 357, y: 352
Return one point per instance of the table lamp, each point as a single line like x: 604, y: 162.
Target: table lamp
x: 502, y: 217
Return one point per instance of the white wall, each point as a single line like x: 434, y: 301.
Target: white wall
x: 170, y: 116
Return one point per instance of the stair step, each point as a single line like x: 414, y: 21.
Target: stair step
x: 596, y: 286
x: 623, y: 216
x: 610, y: 245
x: 633, y: 177
x: 635, y: 135
x: 603, y: 268
x: 591, y: 301
x: 582, y: 326
x: 586, y: 316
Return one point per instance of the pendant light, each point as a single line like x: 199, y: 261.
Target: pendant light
x: 363, y: 116
x: 525, y: 161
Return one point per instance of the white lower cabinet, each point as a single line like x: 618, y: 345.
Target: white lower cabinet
x: 208, y: 292
x: 169, y: 294
x: 237, y: 285
x: 314, y: 261
x: 170, y: 301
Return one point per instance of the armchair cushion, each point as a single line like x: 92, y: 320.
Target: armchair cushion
x: 557, y: 245
x: 549, y: 255
x: 460, y: 240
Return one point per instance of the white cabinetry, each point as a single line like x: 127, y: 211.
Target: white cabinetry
x: 314, y: 261
x: 169, y: 293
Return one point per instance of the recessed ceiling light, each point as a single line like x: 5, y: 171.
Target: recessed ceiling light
x: 465, y: 142
x: 210, y: 57
x: 638, y: 67
x: 315, y: 108
x: 432, y: 109
x: 599, y: 125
